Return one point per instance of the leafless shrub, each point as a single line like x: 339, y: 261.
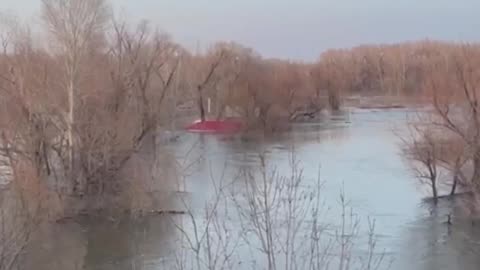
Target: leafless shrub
x: 446, y: 138
x: 271, y: 221
x: 423, y: 151
x: 23, y: 206
x: 208, y: 238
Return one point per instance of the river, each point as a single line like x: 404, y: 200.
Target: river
x: 356, y: 152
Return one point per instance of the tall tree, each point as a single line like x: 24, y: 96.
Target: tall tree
x: 74, y: 24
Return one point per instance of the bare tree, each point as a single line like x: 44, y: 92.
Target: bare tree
x: 453, y: 85
x: 236, y: 61
x: 8, y: 27
x: 330, y: 78
x: 118, y: 89
x: 140, y: 66
x: 22, y: 206
x: 74, y: 24
x: 210, y: 64
x: 423, y: 151
x: 454, y: 158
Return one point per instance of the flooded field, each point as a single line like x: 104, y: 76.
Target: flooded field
x: 356, y: 154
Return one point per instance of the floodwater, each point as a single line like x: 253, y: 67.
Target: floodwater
x: 355, y: 153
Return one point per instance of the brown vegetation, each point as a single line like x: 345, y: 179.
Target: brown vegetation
x: 450, y: 131
x: 74, y: 112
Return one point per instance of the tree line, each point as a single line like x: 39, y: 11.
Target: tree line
x: 79, y: 99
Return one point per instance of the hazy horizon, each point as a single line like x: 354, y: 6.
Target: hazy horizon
x: 298, y: 30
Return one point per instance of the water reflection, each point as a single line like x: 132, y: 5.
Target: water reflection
x: 92, y: 244
x: 57, y: 247
x: 129, y: 243
x: 430, y: 242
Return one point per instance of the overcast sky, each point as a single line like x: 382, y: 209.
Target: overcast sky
x: 298, y: 29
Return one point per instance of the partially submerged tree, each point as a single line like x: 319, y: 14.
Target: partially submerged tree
x: 74, y: 26
x: 236, y: 62
x: 453, y: 84
x: 119, y: 113
x: 206, y: 69
x: 329, y: 79
x: 23, y: 140
x: 423, y: 151
x: 436, y: 157
x: 115, y: 91
x: 453, y: 159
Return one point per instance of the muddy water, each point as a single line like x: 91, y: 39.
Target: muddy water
x: 357, y: 152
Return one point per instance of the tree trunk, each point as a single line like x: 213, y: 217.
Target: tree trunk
x: 333, y: 100
x: 454, y: 185
x: 475, y: 181
x: 434, y: 188
x: 70, y: 141
x: 200, y: 104
x: 263, y: 115
x: 221, y: 112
